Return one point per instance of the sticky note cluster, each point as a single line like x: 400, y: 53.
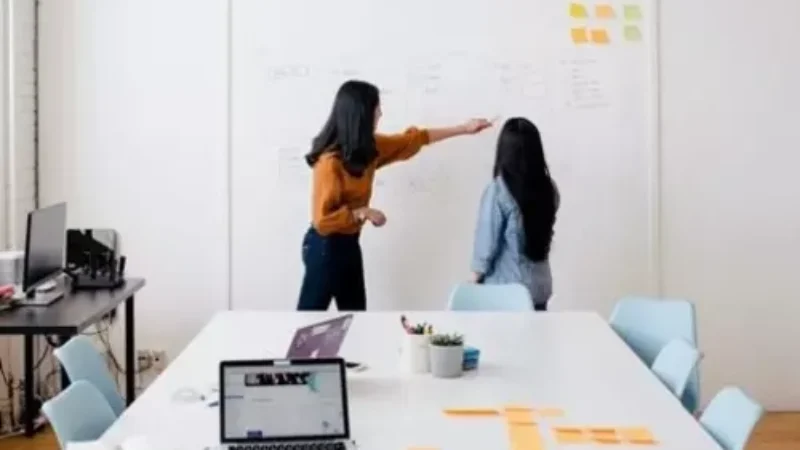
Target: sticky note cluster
x: 582, y: 34
x: 605, y: 436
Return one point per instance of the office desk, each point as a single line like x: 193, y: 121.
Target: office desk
x: 570, y: 361
x: 65, y: 318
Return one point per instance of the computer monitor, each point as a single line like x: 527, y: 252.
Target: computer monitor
x: 45, y: 242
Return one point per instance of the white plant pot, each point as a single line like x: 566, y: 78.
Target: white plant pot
x: 447, y: 361
x: 415, y: 353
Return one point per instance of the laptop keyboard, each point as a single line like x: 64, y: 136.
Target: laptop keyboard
x: 302, y: 446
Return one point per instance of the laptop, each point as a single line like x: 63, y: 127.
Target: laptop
x: 284, y: 404
x: 320, y: 340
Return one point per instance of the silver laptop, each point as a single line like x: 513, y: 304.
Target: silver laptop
x: 289, y: 404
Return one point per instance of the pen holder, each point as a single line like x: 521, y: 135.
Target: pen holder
x: 416, y: 353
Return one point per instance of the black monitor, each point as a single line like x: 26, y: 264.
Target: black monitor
x: 45, y: 242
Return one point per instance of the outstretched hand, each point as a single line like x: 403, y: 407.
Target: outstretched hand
x: 475, y: 126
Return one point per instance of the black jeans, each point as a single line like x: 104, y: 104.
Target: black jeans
x: 334, y: 269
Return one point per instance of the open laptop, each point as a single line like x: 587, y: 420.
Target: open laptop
x: 284, y: 404
x: 320, y: 340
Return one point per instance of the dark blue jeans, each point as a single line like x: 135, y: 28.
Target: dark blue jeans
x: 334, y: 269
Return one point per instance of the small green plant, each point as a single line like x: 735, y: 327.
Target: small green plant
x: 447, y: 340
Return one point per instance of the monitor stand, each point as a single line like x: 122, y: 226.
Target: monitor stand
x: 44, y: 294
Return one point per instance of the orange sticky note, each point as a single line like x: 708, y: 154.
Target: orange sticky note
x: 550, y: 412
x: 643, y: 442
x: 568, y: 430
x: 571, y: 436
x: 580, y: 36
x: 600, y: 36
x: 517, y: 416
x: 517, y: 408
x: 604, y: 11
x: 632, y: 434
x: 578, y: 11
x: 471, y: 412
x: 606, y: 440
x: 525, y: 437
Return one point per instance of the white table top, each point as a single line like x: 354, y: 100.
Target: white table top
x: 572, y: 361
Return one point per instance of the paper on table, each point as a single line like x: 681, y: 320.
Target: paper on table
x: 578, y: 11
x: 633, y: 33
x: 633, y: 12
x: 580, y: 36
x: 604, y: 11
x: 600, y: 36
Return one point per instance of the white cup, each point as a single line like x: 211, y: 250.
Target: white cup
x: 416, y: 353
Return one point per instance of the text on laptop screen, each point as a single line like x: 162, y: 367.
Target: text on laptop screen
x: 283, y: 401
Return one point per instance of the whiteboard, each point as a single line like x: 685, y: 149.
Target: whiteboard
x: 439, y: 63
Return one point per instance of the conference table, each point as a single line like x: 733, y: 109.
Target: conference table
x: 570, y: 368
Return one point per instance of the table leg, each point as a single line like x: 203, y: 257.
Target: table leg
x: 130, y: 352
x: 64, y: 377
x: 28, y: 413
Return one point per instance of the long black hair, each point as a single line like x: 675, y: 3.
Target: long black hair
x: 350, y: 129
x: 521, y: 164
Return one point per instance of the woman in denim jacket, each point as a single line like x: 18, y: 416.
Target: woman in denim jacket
x: 517, y: 215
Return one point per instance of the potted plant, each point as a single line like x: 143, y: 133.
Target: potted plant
x: 447, y: 355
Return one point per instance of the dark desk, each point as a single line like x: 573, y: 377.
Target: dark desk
x: 65, y: 318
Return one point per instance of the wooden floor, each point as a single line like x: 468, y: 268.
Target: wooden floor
x: 777, y: 431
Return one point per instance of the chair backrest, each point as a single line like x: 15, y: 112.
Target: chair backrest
x: 79, y: 413
x: 648, y: 324
x: 675, y: 363
x: 731, y: 417
x: 490, y: 297
x: 82, y: 361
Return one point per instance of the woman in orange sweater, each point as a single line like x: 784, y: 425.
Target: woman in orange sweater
x: 344, y: 158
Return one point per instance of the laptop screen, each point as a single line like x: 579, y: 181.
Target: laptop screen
x: 285, y: 401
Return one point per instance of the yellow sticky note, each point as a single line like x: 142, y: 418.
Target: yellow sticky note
x: 600, y: 36
x: 604, y: 11
x: 578, y: 11
x: 550, y: 412
x: 580, y: 36
x: 633, y: 33
x: 471, y: 412
x: 633, y: 12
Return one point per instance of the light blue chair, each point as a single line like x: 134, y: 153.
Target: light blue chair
x: 79, y: 413
x: 82, y: 361
x: 731, y: 417
x: 490, y: 297
x: 648, y: 324
x: 674, y: 365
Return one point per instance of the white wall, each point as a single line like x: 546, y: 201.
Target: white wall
x: 18, y: 116
x: 731, y: 224
x: 128, y: 143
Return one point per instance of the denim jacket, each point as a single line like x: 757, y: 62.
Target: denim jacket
x: 498, y: 252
